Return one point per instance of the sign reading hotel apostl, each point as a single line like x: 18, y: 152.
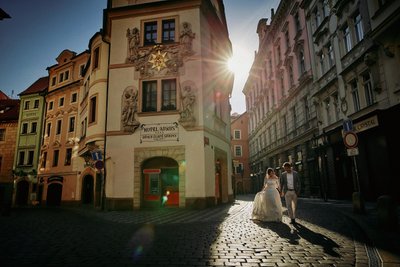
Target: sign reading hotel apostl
x: 159, y: 132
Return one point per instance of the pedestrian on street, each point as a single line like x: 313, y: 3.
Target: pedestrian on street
x: 290, y: 189
x: 267, y: 205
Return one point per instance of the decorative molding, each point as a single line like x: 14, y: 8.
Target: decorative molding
x: 129, y: 109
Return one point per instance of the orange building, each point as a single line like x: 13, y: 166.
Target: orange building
x: 240, y: 153
x: 59, y: 164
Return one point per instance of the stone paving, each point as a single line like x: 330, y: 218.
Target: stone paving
x: 220, y: 236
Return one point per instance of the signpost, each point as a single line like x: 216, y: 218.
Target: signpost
x: 350, y: 140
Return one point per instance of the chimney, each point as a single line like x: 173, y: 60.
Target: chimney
x: 272, y: 13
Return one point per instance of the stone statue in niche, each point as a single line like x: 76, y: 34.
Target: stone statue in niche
x: 129, y: 108
x: 186, y: 38
x: 188, y: 99
x: 133, y: 43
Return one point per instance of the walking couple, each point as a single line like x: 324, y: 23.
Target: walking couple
x: 267, y: 204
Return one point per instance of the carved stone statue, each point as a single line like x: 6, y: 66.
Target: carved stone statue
x: 188, y: 99
x: 186, y: 38
x: 133, y: 43
x: 129, y: 108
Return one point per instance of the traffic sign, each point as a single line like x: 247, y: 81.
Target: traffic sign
x: 347, y: 125
x: 99, y: 164
x: 96, y: 155
x: 350, y: 139
x: 352, y: 151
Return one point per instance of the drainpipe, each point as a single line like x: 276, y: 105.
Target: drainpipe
x: 103, y: 200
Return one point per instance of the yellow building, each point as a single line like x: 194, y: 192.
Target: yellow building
x: 168, y: 112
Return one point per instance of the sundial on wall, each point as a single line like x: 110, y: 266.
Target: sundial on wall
x: 158, y: 60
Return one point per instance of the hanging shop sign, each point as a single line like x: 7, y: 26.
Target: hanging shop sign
x: 159, y: 132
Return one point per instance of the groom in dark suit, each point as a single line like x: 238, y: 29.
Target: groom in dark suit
x: 290, y: 188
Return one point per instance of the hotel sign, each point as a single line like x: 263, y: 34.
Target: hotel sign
x: 159, y: 132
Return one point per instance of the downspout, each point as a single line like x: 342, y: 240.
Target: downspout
x: 105, y: 127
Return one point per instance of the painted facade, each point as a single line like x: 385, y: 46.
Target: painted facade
x: 92, y: 118
x: 30, y: 128
x: 9, y: 111
x: 243, y: 183
x: 60, y: 166
x: 279, y: 93
x: 168, y: 114
x: 354, y: 65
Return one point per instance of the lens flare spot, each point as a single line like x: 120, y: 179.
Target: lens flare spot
x: 141, y: 242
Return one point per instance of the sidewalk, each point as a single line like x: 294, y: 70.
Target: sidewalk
x: 385, y: 241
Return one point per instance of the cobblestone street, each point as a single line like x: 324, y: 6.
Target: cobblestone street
x: 220, y: 236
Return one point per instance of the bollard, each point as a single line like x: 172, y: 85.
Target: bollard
x: 387, y: 212
x: 358, y: 203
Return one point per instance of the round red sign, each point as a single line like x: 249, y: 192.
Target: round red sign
x: 350, y: 139
x: 99, y: 164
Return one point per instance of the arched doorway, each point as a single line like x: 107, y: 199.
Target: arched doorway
x: 160, y: 180
x: 87, y: 189
x: 22, y: 193
x: 54, y: 192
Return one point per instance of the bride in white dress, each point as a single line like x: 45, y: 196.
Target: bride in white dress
x: 267, y: 205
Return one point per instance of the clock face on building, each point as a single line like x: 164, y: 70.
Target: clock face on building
x: 350, y: 140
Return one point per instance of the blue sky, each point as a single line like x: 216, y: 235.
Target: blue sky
x: 40, y: 29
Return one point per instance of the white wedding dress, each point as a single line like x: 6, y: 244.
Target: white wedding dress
x: 267, y: 205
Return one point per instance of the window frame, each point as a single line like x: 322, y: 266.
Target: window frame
x: 153, y: 97
x: 158, y: 30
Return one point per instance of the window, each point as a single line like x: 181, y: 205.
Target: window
x: 31, y: 154
x: 355, y: 95
x: 51, y: 104
x: 165, y: 27
x: 68, y: 157
x: 302, y: 62
x: 61, y: 102
x: 48, y: 129
x: 369, y: 96
x: 237, y: 134
x: 83, y: 127
x: 287, y: 39
x: 149, y: 99
x: 96, y: 55
x: 44, y: 159
x: 74, y: 97
x: 2, y: 134
x: 24, y: 129
x: 168, y: 95
x: 71, y: 126
x: 53, y: 80
x: 297, y: 22
x: 331, y: 58
x: 58, y: 128
x: 21, y: 158
x: 328, y: 111
x: 168, y: 31
x: 291, y: 77
x: 321, y: 63
x: 26, y: 104
x: 93, y: 108
x: 294, y: 114
x: 358, y: 27
x: 33, y: 127
x: 63, y: 76
x: 55, y: 157
x: 36, y: 103
x: 81, y: 70
x: 238, y: 151
x: 150, y: 33
x: 347, y: 39
x: 317, y: 17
